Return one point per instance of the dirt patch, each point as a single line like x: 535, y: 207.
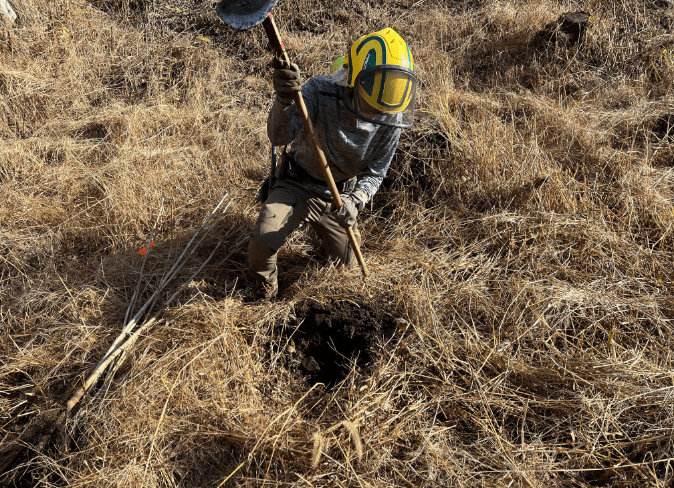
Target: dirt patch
x: 328, y: 338
x: 566, y: 31
x: 44, y: 432
x: 416, y: 167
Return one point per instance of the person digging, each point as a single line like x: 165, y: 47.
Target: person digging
x: 357, y: 112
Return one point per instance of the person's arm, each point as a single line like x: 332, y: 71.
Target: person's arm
x: 279, y: 123
x: 284, y: 124
x: 367, y: 184
x: 370, y: 180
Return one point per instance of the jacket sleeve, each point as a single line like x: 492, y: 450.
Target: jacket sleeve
x: 284, y: 124
x: 369, y: 180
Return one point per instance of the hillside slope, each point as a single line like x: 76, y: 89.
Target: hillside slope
x: 521, y: 251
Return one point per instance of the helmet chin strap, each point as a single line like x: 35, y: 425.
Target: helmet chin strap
x: 348, y: 98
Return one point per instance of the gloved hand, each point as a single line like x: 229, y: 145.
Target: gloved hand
x: 346, y: 214
x: 286, y: 79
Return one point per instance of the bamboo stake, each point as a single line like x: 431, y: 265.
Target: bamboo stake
x: 134, y: 337
x: 142, y: 267
x: 124, y: 341
x: 123, y: 348
x: 178, y: 266
x: 134, y: 321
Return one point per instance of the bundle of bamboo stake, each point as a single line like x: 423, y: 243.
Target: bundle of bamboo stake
x: 50, y: 423
x: 133, y: 328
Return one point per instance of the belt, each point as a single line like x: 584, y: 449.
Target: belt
x: 298, y: 174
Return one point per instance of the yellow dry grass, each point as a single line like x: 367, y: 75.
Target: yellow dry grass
x: 525, y: 233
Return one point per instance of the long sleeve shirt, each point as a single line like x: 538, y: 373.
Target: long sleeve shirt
x: 352, y: 146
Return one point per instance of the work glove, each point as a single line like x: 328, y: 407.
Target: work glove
x: 286, y: 80
x: 346, y: 214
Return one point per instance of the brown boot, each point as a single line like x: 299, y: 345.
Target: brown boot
x: 265, y: 291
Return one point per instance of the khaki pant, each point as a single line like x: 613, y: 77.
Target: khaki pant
x: 287, y: 207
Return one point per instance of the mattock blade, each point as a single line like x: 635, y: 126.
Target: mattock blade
x: 244, y: 14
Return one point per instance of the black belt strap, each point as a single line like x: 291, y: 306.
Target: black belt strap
x: 296, y: 173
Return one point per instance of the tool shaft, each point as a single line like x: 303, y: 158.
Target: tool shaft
x: 279, y: 50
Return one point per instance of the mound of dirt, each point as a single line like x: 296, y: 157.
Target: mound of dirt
x: 330, y: 337
x: 566, y: 31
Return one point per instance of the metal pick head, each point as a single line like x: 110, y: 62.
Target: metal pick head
x: 244, y: 14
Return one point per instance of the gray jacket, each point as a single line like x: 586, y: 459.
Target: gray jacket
x: 352, y: 147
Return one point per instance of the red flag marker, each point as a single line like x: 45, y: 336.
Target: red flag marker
x: 143, y: 251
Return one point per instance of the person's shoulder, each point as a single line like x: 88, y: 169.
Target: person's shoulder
x: 322, y: 83
x: 322, y: 79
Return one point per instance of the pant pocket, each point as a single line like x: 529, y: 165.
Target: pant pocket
x: 272, y: 225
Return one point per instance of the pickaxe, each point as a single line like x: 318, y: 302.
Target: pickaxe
x: 244, y: 14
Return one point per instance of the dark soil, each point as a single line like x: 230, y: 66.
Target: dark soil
x: 566, y: 31
x: 44, y: 432
x: 331, y: 336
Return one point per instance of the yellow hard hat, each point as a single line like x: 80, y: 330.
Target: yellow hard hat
x: 381, y: 69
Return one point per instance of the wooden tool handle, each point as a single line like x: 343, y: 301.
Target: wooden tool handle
x: 279, y: 50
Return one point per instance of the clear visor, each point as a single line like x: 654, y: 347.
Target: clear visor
x: 386, y: 95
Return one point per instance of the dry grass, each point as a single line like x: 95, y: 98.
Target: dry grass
x: 525, y: 233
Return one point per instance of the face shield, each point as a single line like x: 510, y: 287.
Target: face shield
x: 386, y: 95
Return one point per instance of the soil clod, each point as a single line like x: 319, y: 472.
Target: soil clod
x: 330, y: 337
x: 44, y: 431
x: 566, y: 31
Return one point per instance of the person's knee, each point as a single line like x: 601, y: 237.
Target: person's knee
x: 270, y: 232
x: 341, y: 252
x: 336, y: 242
x: 260, y: 246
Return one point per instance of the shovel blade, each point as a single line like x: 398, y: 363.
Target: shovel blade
x: 244, y: 14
